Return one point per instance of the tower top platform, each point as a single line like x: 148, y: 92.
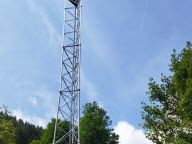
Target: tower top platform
x: 75, y: 2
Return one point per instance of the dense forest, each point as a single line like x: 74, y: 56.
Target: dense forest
x: 17, y: 131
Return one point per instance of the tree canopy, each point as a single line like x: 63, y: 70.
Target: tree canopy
x: 7, y: 131
x: 47, y: 137
x: 168, y: 117
x: 95, y: 126
x: 13, y: 131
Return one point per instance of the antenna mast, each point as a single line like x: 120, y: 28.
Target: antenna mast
x: 69, y: 94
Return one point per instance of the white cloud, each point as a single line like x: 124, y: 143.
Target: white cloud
x: 31, y: 119
x: 129, y: 134
x: 33, y: 100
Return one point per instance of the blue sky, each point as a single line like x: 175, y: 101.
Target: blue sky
x: 124, y: 43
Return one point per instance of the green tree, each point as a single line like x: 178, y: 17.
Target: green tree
x: 7, y: 130
x: 35, y: 142
x: 47, y: 137
x: 27, y: 132
x: 17, y: 130
x: 168, y: 117
x: 95, y: 126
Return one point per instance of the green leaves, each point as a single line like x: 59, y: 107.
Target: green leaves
x: 47, y: 137
x: 14, y: 131
x: 7, y: 131
x: 94, y: 126
x: 168, y: 117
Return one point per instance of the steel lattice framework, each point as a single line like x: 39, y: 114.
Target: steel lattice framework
x: 69, y: 97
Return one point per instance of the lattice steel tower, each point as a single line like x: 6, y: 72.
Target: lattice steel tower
x: 69, y: 97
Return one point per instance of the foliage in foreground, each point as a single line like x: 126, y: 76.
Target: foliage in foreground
x: 47, y: 137
x: 7, y: 131
x: 13, y: 131
x: 168, y: 117
x: 95, y: 126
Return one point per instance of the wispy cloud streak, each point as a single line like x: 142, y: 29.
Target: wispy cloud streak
x: 50, y: 28
x: 144, y: 15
